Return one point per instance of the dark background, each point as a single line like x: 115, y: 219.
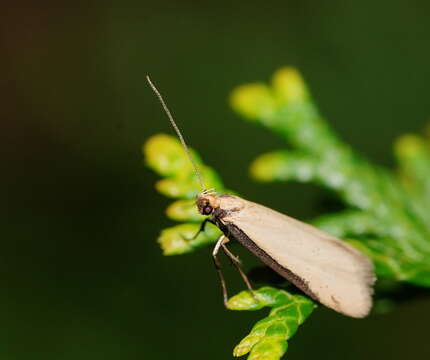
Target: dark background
x: 81, y: 275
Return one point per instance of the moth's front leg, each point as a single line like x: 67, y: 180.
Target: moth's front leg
x: 202, y: 227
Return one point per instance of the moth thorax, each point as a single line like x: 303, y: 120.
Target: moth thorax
x: 231, y: 203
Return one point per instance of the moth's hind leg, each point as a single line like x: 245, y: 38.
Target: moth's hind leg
x: 223, y: 239
x: 236, y: 262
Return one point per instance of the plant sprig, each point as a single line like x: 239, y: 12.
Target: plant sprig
x: 387, y: 214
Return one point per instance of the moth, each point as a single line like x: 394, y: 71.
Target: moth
x: 327, y: 269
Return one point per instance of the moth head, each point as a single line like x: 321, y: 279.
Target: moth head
x: 207, y: 203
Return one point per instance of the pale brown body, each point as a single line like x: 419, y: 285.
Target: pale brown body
x: 324, y: 267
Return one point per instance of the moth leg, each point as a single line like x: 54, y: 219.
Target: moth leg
x: 215, y: 251
x: 236, y: 262
x: 202, y: 227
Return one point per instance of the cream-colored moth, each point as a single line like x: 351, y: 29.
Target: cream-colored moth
x: 327, y: 269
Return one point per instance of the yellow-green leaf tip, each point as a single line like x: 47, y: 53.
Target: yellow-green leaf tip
x: 253, y: 101
x: 289, y: 86
x: 245, y: 300
x: 266, y: 167
x: 245, y: 346
x: 269, y: 349
x: 164, y: 154
x: 410, y: 145
x: 178, y: 187
x: 184, y: 210
x: 173, y: 241
x: 181, y: 239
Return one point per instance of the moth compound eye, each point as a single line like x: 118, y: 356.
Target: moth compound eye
x: 207, y: 210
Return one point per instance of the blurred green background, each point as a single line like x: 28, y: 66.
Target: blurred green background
x: 81, y: 274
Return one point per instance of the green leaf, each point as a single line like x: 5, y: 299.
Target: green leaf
x: 185, y: 185
x: 268, y: 338
x: 254, y: 101
x: 184, y: 210
x: 181, y: 239
x: 166, y: 156
x: 394, y: 212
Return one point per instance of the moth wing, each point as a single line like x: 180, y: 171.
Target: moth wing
x: 324, y: 267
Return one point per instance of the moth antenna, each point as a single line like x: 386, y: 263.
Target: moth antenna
x: 209, y: 192
x: 178, y: 132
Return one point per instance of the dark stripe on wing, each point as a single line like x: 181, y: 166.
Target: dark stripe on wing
x: 233, y: 232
